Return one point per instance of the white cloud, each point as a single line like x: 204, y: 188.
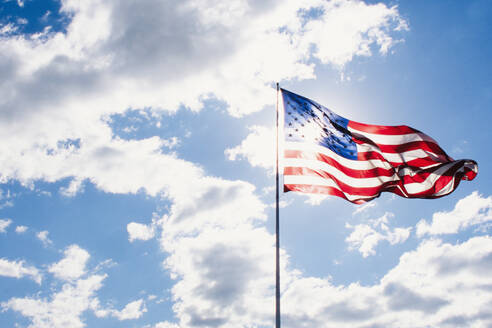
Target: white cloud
x: 63, y: 86
x: 66, y: 304
x: 6, y: 199
x: 224, y: 277
x: 72, y: 266
x: 21, y: 229
x: 364, y: 207
x: 348, y: 28
x: 63, y: 309
x: 163, y: 324
x: 437, y: 285
x: 75, y: 186
x: 138, y: 231
x: 132, y: 310
x: 17, y: 269
x: 43, y: 237
x: 365, y: 237
x: 258, y: 148
x: 474, y: 209
x: 4, y: 223
x: 314, y: 199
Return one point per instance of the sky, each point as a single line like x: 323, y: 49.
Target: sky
x: 137, y: 184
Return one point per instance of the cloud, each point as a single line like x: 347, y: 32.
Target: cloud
x: 17, y: 269
x: 132, y: 310
x: 72, y: 266
x: 314, y: 199
x: 4, y: 223
x: 6, y: 199
x: 474, y: 209
x: 163, y: 324
x: 138, y: 231
x: 66, y: 305
x: 364, y: 207
x: 62, y: 87
x: 63, y: 309
x: 363, y: 25
x: 43, y: 237
x: 258, y: 148
x: 59, y: 87
x: 365, y: 237
x: 75, y: 186
x: 415, y: 293
x: 21, y: 229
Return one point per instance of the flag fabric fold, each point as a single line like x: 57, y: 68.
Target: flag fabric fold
x: 325, y: 153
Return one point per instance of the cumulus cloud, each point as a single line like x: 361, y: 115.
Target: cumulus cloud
x: 422, y: 290
x: 258, y: 148
x: 474, y: 209
x: 60, y: 87
x: 63, y: 309
x: 139, y: 231
x: 4, y: 223
x: 365, y: 237
x: 223, y: 280
x: 78, y: 294
x: 18, y: 269
x: 72, y: 266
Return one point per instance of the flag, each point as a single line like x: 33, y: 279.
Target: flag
x: 325, y: 153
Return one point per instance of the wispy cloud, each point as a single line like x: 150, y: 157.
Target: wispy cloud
x: 4, y: 223
x: 365, y: 237
x: 43, y: 237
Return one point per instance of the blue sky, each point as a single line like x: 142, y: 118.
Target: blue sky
x: 137, y: 183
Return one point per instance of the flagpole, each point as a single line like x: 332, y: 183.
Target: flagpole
x: 277, y: 240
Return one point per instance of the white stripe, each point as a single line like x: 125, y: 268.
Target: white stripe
x: 398, y: 139
x: 401, y: 157
x: 313, y: 181
x: 418, y: 187
x: 360, y: 164
x: 351, y: 181
x: 409, y: 188
x: 349, y: 163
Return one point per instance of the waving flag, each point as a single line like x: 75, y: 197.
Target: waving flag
x: 325, y: 153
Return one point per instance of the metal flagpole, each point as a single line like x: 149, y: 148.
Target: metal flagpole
x: 277, y: 260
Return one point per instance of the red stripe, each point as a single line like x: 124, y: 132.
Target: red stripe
x: 413, y: 145
x: 323, y: 190
x: 373, y: 192
x: 362, y: 191
x: 418, y: 162
x: 442, y: 181
x: 382, y: 129
x: 371, y: 173
x: 419, y: 176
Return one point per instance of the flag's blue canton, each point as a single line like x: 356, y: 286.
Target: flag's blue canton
x: 308, y: 121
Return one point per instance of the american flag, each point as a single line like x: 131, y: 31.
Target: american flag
x: 325, y: 153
